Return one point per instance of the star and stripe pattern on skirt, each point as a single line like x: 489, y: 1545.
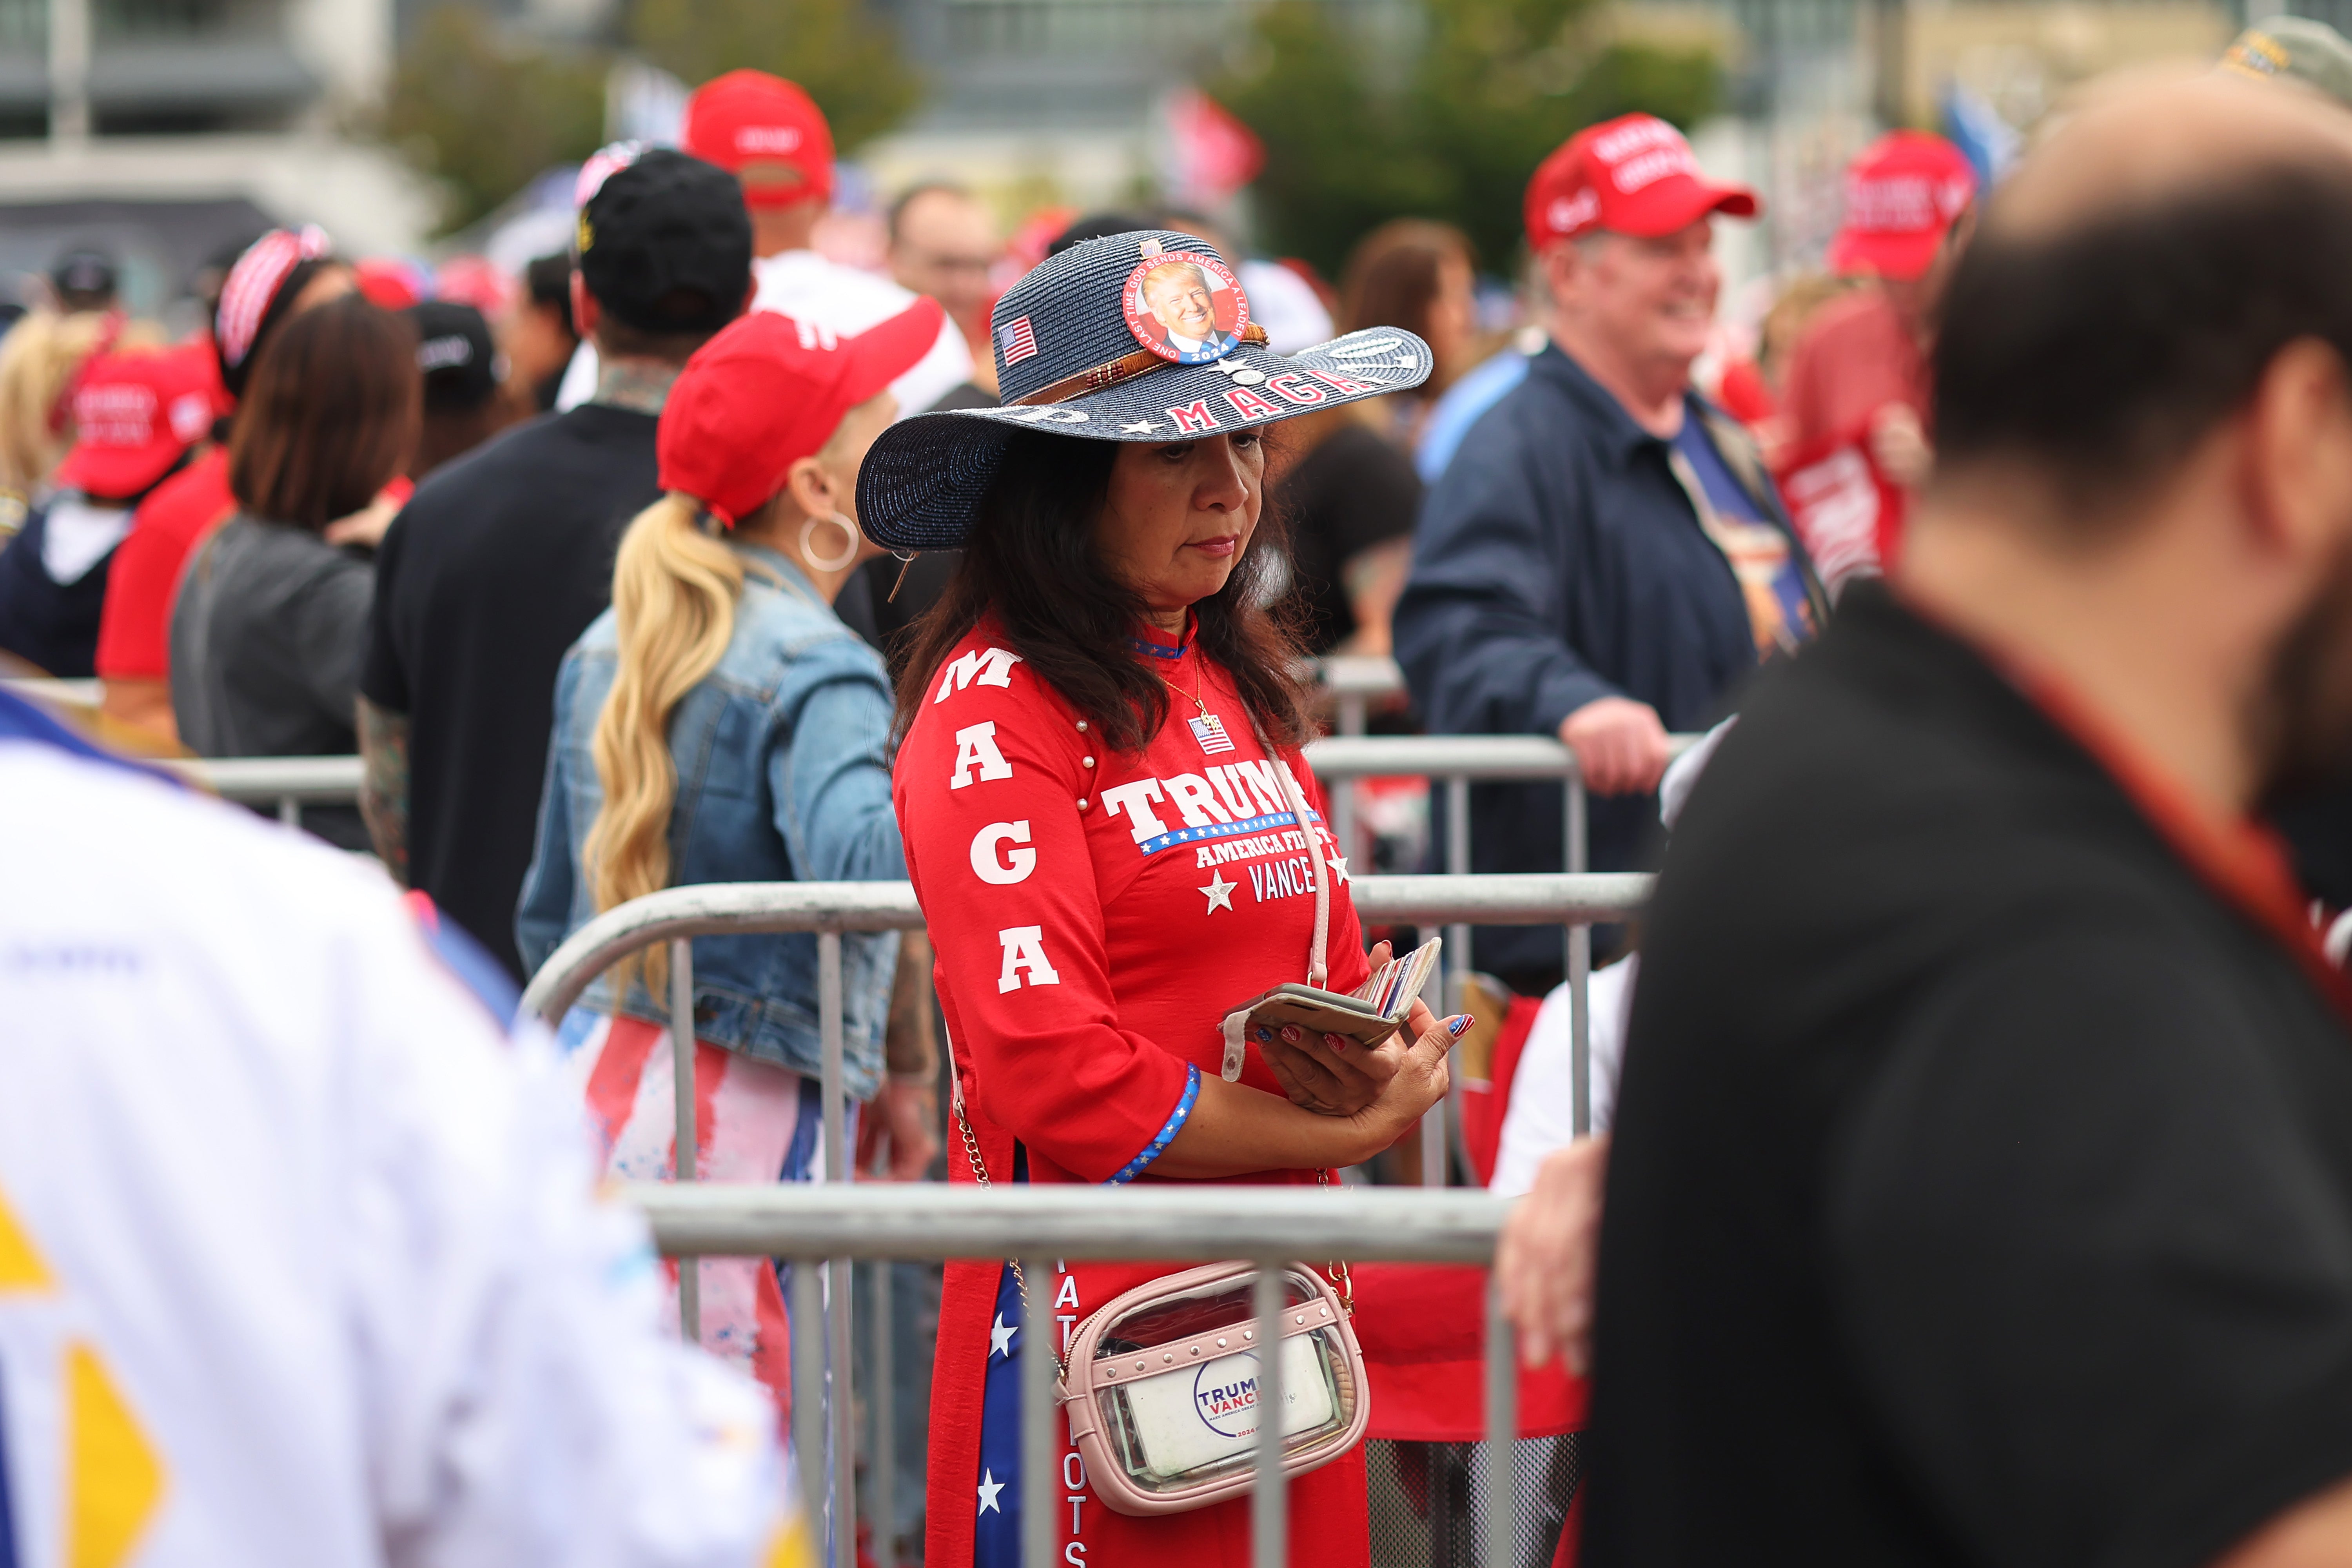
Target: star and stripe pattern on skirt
x: 996, y: 1529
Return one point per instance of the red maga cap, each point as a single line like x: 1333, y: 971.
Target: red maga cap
x: 766, y: 133
x: 1901, y: 196
x: 135, y: 415
x: 1633, y: 175
x: 391, y: 282
x: 768, y: 391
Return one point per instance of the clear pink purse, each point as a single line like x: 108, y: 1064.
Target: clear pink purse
x: 1161, y: 1387
x: 1161, y: 1384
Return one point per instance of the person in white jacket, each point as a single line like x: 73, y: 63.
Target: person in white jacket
x: 772, y: 136
x: 1540, y: 1117
x: 300, y: 1263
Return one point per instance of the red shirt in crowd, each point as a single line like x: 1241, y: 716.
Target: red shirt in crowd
x: 135, y: 631
x: 1095, y: 915
x: 1855, y: 357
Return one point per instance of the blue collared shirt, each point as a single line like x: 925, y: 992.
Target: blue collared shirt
x: 783, y: 768
x: 1462, y: 405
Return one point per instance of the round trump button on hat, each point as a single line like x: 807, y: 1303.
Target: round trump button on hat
x: 1184, y: 305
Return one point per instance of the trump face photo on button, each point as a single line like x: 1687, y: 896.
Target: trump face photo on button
x: 1194, y: 306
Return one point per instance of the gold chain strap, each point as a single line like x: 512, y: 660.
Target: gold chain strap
x: 1337, y: 1269
x: 1020, y: 1280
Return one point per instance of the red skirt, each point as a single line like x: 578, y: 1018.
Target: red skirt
x: 1328, y: 1527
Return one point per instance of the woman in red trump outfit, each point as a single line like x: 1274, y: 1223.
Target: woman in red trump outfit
x: 1097, y: 718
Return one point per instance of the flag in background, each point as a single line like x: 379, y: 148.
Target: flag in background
x: 1208, y: 154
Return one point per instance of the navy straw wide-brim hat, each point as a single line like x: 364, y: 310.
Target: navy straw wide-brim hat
x: 1134, y: 337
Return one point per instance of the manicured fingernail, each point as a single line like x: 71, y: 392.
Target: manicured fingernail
x: 1263, y: 1034
x: 1290, y: 1033
x: 1459, y: 1025
x: 1336, y: 1042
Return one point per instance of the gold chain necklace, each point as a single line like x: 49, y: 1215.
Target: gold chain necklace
x: 1192, y: 695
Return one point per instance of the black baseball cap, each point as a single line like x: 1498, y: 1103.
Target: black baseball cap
x: 84, y: 279
x: 455, y: 352
x: 665, y: 245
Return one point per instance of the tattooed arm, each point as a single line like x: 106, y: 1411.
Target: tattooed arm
x: 383, y: 785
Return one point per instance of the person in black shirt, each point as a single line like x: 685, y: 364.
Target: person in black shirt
x: 1981, y: 1181
x: 505, y: 555
x: 1348, y: 500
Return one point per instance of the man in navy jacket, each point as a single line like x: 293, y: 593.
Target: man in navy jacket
x: 1605, y: 559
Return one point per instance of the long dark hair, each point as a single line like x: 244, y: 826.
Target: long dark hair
x: 1031, y: 563
x: 330, y: 417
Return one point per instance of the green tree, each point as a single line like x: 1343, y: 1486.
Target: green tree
x: 1486, y: 89
x: 1340, y: 156
x: 850, y: 63
x: 482, y: 115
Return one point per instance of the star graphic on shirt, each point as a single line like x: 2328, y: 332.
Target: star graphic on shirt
x: 1141, y: 427
x: 988, y: 1487
x: 1001, y: 1336
x: 1219, y: 891
x: 1339, y: 863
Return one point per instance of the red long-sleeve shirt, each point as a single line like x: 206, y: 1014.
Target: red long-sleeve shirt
x: 1095, y: 915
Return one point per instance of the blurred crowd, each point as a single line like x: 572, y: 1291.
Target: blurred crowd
x: 111, y: 504
x: 627, y: 572
x: 387, y: 509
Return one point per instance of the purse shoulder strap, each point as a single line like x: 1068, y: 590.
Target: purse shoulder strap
x: 980, y: 1174
x: 1318, y: 970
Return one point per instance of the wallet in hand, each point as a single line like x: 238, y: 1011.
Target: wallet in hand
x: 1368, y: 1014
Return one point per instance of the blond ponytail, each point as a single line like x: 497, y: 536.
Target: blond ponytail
x: 674, y: 591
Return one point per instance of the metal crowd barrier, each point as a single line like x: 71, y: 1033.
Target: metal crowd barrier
x: 1456, y: 760
x: 840, y: 1222
x: 290, y: 781
x: 73, y: 693
x: 1460, y: 761
x: 1266, y: 1225
x: 1351, y: 681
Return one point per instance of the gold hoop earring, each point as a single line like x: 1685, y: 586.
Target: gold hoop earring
x: 849, y: 552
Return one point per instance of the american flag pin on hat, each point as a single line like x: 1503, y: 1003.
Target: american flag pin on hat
x: 1018, y: 340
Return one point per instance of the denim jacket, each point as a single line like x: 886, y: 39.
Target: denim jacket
x: 783, y: 774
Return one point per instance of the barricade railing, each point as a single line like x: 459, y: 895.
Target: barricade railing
x: 289, y: 782
x: 1270, y: 1226
x: 1352, y: 682
x: 1461, y: 761
x: 677, y: 915
x: 1458, y: 760
x: 72, y: 692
